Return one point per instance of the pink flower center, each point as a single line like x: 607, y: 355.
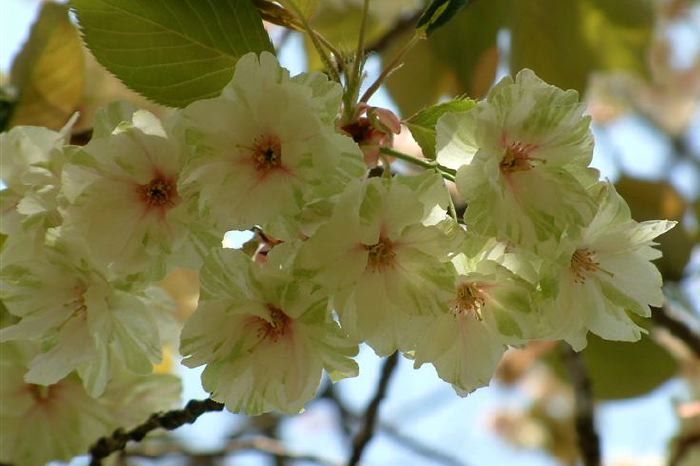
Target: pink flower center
x: 276, y: 327
x: 159, y: 192
x: 42, y: 394
x: 267, y: 153
x: 469, y: 300
x: 518, y: 157
x: 381, y: 255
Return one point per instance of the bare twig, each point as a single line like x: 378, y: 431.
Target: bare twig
x: 370, y: 417
x: 261, y: 444
x: 588, y: 441
x: 389, y: 68
x: 677, y: 328
x: 169, y: 420
x: 348, y: 418
x: 419, y: 448
x: 682, y: 448
x: 402, y: 25
x: 345, y: 416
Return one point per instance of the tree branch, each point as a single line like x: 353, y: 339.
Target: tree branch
x: 682, y: 448
x: 169, y: 420
x: 588, y: 441
x: 261, y: 444
x: 418, y: 447
x: 677, y: 328
x: 347, y: 418
x: 365, y: 434
x: 402, y: 25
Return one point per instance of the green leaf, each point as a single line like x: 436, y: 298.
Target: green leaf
x: 340, y: 24
x: 173, y: 52
x: 306, y: 7
x: 652, y: 200
x: 467, y: 45
x: 49, y: 71
x: 563, y: 41
x: 438, y: 13
x: 460, y: 58
x: 422, y: 79
x: 621, y: 370
x: 422, y: 124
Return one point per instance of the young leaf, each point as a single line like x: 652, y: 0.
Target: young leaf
x: 598, y: 34
x: 439, y: 66
x: 49, y: 71
x: 621, y: 370
x: 306, y: 7
x: 422, y: 124
x: 173, y: 52
x: 438, y: 13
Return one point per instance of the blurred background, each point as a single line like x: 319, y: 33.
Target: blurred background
x: 637, y: 65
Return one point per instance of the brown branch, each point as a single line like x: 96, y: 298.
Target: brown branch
x: 348, y: 417
x: 365, y: 434
x: 677, y: 328
x: 402, y: 25
x: 169, y: 420
x: 588, y: 440
x: 419, y: 448
x: 683, y: 447
x: 345, y: 416
x: 261, y: 444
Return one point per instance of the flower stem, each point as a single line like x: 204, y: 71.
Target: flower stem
x: 313, y: 35
x: 359, y: 53
x: 394, y: 65
x: 354, y: 80
x: 446, y: 172
x: 451, y: 205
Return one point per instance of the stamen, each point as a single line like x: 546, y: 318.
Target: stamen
x: 582, y: 263
x: 469, y: 300
x: 159, y: 192
x: 78, y: 305
x: 381, y: 255
x: 267, y: 153
x: 276, y: 327
x: 517, y: 158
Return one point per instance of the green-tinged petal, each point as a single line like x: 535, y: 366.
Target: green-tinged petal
x: 522, y: 160
x: 605, y: 273
x: 267, y: 351
x: 266, y: 147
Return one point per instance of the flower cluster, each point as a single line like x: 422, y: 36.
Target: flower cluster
x: 544, y: 251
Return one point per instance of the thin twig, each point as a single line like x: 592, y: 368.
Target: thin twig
x: 446, y: 172
x: 370, y: 417
x: 393, y: 65
x: 262, y: 444
x: 682, y: 448
x: 345, y: 416
x: 401, y: 26
x: 418, y: 447
x: 588, y: 440
x: 271, y: 433
x: 169, y: 420
x: 677, y: 328
x: 359, y: 53
x: 284, y: 37
x: 313, y: 36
